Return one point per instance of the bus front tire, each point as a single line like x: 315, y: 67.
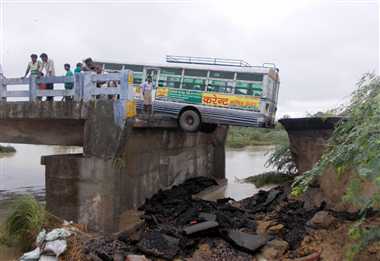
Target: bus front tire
x: 189, y: 121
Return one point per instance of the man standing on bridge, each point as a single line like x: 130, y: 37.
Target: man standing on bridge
x: 34, y: 66
x: 146, y: 89
x: 48, y: 66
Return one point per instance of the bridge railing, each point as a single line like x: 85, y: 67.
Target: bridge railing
x: 85, y: 86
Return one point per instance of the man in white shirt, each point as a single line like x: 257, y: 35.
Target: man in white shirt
x: 48, y: 67
x: 146, y: 89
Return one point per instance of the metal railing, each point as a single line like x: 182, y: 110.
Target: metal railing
x: 206, y: 60
x: 85, y: 86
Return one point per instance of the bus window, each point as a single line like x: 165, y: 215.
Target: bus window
x: 196, y: 73
x: 246, y: 88
x: 169, y: 81
x: 258, y: 77
x: 134, y: 68
x: 171, y: 71
x: 137, y: 77
x: 222, y: 75
x: 193, y: 84
x: 113, y: 66
x: 220, y: 86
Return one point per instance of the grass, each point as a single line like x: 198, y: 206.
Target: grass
x: 239, y: 137
x: 7, y: 149
x: 23, y: 223
x: 269, y: 178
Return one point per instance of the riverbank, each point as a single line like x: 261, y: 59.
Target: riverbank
x: 7, y: 149
x: 240, y: 137
x: 271, y: 225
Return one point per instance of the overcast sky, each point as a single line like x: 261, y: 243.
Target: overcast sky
x: 321, y: 47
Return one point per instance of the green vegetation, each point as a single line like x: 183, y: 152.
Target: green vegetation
x: 282, y: 160
x: 7, y: 149
x: 269, y: 178
x: 239, y: 137
x: 23, y: 223
x: 355, y: 145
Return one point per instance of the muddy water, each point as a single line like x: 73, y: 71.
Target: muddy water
x: 22, y: 172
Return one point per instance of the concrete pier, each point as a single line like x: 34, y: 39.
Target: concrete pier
x: 123, y: 161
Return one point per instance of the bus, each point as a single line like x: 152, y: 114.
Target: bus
x: 203, y: 92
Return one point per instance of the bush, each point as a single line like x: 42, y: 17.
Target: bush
x: 282, y: 160
x: 239, y: 137
x: 24, y: 222
x: 7, y: 149
x: 355, y: 146
x: 269, y: 178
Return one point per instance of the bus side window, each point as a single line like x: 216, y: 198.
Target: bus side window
x: 246, y: 88
x: 169, y: 81
x: 193, y: 84
x: 137, y: 77
x: 220, y: 86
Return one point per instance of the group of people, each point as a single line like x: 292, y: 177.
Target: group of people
x: 45, y: 67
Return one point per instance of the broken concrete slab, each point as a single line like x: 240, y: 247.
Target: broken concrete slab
x: 189, y: 230
x: 246, y: 242
x: 153, y: 243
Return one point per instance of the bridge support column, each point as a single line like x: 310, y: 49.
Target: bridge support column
x: 95, y: 190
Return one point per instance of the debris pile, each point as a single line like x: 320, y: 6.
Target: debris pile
x: 177, y: 224
x: 49, y: 245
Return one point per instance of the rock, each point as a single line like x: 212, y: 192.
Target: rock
x: 207, y: 216
x: 274, y: 249
x: 321, y: 219
x: 262, y: 226
x: 276, y: 229
x: 136, y: 258
x: 312, y: 257
x: 189, y: 230
x: 154, y: 243
x: 119, y: 256
x: 246, y: 242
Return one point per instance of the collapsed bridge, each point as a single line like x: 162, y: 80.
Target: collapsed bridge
x: 124, y: 160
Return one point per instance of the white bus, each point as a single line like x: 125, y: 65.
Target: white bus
x: 202, y: 92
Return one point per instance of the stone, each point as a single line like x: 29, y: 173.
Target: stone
x: 136, y: 258
x: 276, y: 229
x: 245, y: 241
x: 312, y: 257
x: 274, y: 249
x: 321, y: 219
x: 189, y: 230
x: 262, y: 226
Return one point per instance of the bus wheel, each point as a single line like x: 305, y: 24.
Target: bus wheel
x: 189, y: 120
x: 208, y: 127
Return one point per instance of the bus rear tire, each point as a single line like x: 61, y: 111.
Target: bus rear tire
x: 189, y: 121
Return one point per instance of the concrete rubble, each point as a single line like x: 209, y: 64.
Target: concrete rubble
x: 178, y: 226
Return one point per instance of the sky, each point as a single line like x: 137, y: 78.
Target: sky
x: 322, y: 47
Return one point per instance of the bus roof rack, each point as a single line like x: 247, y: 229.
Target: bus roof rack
x: 206, y: 61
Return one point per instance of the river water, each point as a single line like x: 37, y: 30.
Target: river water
x: 22, y: 172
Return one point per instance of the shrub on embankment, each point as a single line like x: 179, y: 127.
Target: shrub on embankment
x: 7, y: 149
x: 23, y: 223
x: 355, y: 148
x: 281, y: 159
x: 239, y: 137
